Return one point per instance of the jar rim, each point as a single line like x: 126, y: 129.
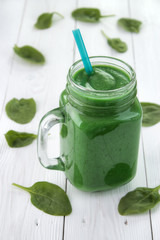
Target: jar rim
x: 99, y: 59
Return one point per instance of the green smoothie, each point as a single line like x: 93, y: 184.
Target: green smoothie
x: 100, y: 134
x: 102, y: 78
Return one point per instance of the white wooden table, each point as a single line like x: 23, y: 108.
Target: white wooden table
x: 95, y: 215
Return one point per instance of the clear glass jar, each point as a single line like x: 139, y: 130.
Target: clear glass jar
x: 99, y: 132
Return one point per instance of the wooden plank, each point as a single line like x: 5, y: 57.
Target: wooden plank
x: 95, y: 215
x: 10, y: 24
x: 147, y: 58
x: 19, y: 219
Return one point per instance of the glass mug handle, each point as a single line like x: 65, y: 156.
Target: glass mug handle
x: 50, y: 119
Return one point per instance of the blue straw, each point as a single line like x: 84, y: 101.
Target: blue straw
x: 82, y: 51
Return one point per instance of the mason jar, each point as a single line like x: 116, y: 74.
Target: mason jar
x: 99, y: 131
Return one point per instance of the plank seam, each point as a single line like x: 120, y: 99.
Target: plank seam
x: 74, y: 43
x: 64, y: 218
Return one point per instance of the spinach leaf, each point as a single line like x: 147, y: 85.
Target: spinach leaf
x: 29, y: 53
x: 130, y: 25
x: 45, y: 20
x: 151, y: 114
x: 49, y: 198
x: 91, y: 15
x: 138, y: 201
x: 116, y: 43
x: 19, y: 139
x: 101, y: 80
x: 21, y: 111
